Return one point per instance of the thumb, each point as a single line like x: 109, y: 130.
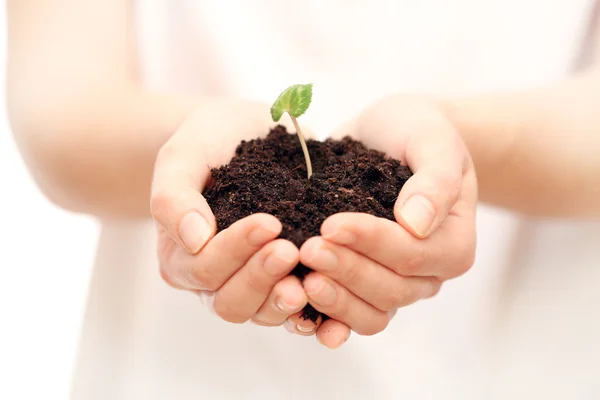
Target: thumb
x: 414, y: 130
x: 438, y: 162
x: 207, y: 137
x: 176, y: 200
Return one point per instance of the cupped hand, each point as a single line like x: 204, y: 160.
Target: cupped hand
x: 367, y: 267
x: 241, y: 273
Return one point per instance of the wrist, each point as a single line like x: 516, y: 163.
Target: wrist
x: 486, y: 128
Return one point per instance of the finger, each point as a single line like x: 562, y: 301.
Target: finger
x: 428, y: 143
x: 286, y: 298
x: 176, y: 202
x: 448, y: 253
x: 243, y: 294
x: 438, y: 162
x: 300, y: 326
x: 332, y: 299
x: 223, y: 256
x: 333, y: 334
x: 181, y: 169
x: 377, y: 285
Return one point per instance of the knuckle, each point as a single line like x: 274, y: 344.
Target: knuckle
x: 435, y: 290
x: 465, y: 259
x: 340, y: 310
x: 449, y: 179
x: 373, y: 324
x: 160, y: 202
x: 202, y: 277
x: 167, y: 152
x: 429, y: 288
x: 468, y: 262
x: 228, y: 313
x: 228, y: 235
x: 257, y: 282
x: 448, y: 185
x: 161, y: 197
x: 414, y: 263
x: 397, y: 298
x: 348, y: 273
x: 393, y: 293
x: 165, y: 276
x: 374, y: 228
x: 368, y: 229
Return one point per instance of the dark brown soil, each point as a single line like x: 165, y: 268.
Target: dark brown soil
x: 269, y: 175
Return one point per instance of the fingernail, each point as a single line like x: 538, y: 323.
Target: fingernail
x: 283, y: 306
x: 318, y: 253
x: 321, y: 292
x: 194, y: 231
x: 260, y: 235
x: 419, y: 214
x: 327, y: 258
x: 295, y: 328
x: 305, y: 329
x: 338, y: 235
x: 281, y: 257
x: 289, y: 326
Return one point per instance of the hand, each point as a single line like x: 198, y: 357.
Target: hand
x: 242, y: 272
x: 367, y: 267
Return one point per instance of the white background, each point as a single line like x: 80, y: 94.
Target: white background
x: 46, y: 256
x: 41, y: 248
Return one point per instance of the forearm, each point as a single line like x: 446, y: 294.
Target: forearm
x: 85, y: 128
x: 536, y: 151
x: 97, y: 157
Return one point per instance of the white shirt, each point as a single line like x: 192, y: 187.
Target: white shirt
x: 521, y: 324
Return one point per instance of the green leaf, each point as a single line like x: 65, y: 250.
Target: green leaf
x: 294, y: 100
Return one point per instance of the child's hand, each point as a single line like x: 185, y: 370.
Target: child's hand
x: 242, y: 272
x: 367, y: 267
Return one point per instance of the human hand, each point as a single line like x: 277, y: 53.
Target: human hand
x: 367, y: 267
x: 241, y: 273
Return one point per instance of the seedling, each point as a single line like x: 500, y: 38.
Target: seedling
x: 295, y: 101
x: 352, y: 178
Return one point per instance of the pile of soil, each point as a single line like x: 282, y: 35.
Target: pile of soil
x: 269, y: 176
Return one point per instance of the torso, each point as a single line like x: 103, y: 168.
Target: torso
x: 519, y: 322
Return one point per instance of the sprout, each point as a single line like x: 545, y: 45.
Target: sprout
x: 295, y: 101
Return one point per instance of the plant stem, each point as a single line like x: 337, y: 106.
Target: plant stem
x: 304, y: 148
